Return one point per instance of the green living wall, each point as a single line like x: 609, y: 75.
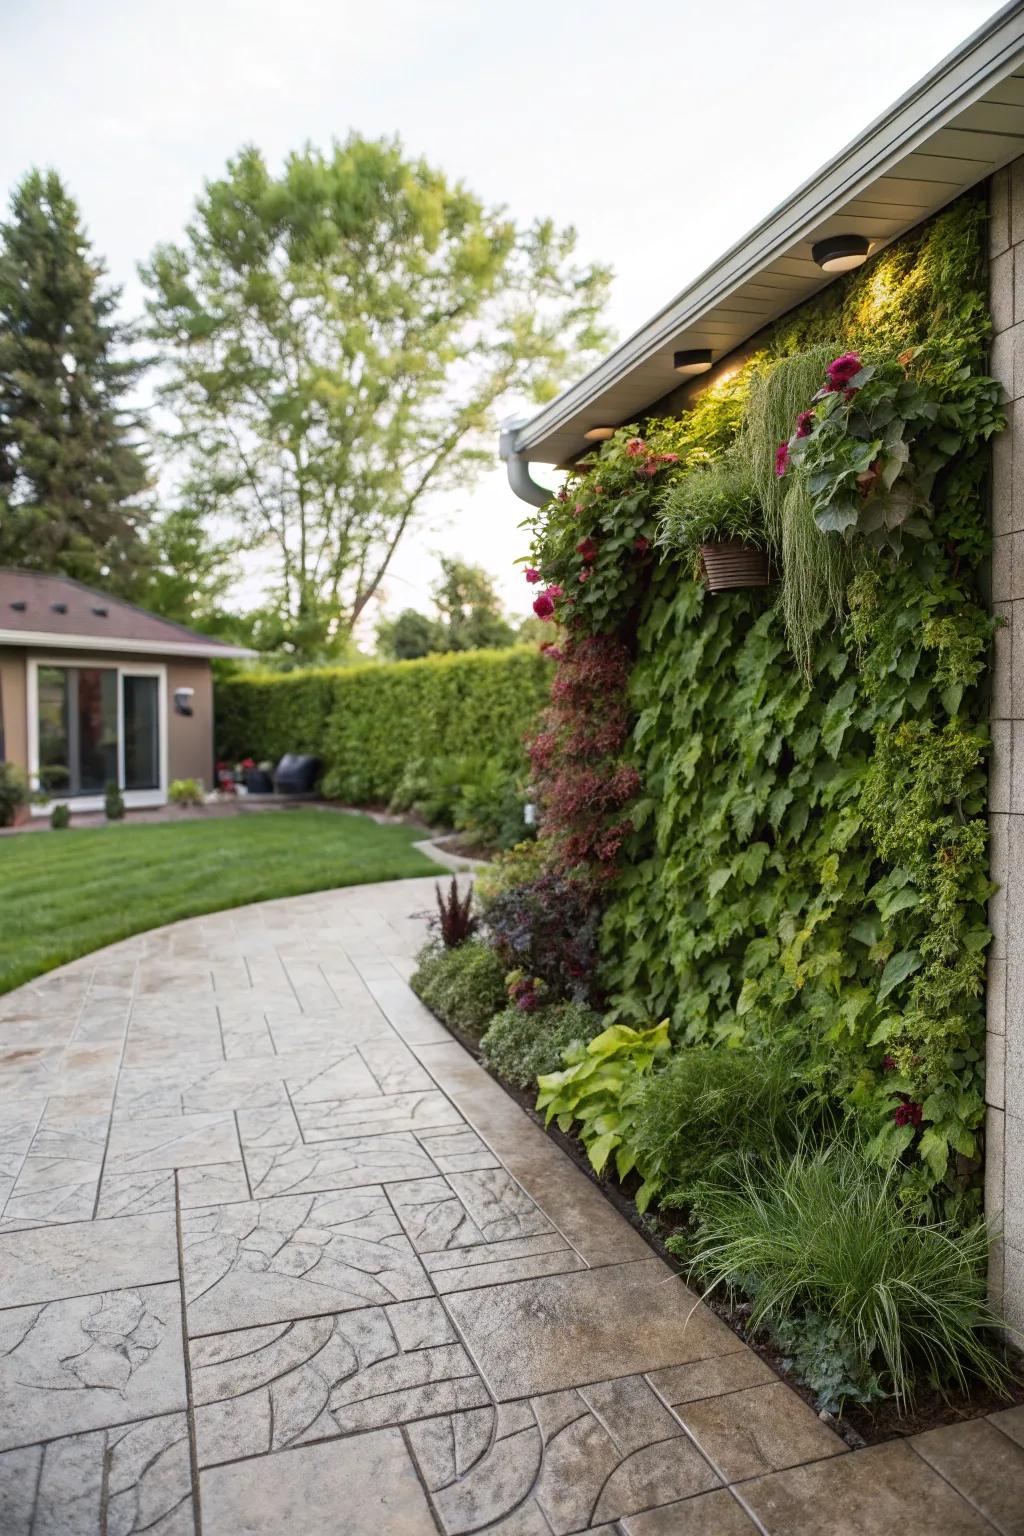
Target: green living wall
x: 368, y: 723
x: 807, y: 860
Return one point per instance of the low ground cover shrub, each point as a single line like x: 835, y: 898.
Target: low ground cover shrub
x: 113, y: 803
x: 709, y: 1109
x: 60, y: 817
x: 822, y: 1239
x: 480, y: 796
x: 13, y: 793
x: 465, y: 986
x: 548, y: 929
x: 185, y: 792
x: 522, y: 1045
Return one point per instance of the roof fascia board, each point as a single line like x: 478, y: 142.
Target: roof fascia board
x: 959, y: 80
x: 43, y: 638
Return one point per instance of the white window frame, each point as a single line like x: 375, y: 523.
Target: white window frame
x: 134, y: 799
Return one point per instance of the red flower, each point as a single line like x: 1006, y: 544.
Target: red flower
x: 842, y: 369
x: 907, y: 1113
x: 543, y: 606
x: 781, y: 459
x: 804, y: 423
x: 587, y: 550
x: 642, y: 544
x: 563, y: 494
x: 532, y: 574
x: 584, y: 574
x: 888, y: 1064
x: 635, y: 447
x: 248, y: 762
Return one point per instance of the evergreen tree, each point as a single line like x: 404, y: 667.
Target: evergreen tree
x: 71, y: 471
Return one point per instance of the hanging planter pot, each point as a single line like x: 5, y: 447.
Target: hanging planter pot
x: 730, y: 563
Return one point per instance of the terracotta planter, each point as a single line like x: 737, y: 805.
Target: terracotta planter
x: 730, y: 563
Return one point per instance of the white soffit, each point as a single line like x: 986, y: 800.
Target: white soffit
x: 957, y: 126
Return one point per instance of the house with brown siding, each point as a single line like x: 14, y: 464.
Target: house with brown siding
x: 95, y: 691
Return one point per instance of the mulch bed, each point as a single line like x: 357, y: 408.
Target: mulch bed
x: 858, y: 1425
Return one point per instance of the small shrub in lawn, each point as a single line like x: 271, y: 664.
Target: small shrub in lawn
x: 707, y: 1108
x: 60, y: 817
x: 464, y: 986
x: 185, y: 792
x: 521, y: 1045
x: 455, y: 915
x: 113, y: 803
x: 823, y: 1237
x: 13, y: 793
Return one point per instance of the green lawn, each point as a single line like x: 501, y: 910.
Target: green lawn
x: 63, y: 894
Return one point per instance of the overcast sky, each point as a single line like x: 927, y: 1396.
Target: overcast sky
x: 662, y: 131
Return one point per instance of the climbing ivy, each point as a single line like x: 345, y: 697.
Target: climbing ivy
x: 807, y: 864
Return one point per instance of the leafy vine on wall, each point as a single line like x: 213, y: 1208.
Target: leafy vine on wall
x: 807, y: 860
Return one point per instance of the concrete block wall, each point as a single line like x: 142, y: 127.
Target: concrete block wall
x: 1004, y: 1091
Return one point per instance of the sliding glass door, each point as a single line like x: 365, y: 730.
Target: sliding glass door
x: 97, y: 726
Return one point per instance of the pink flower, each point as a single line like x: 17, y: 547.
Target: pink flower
x: 584, y: 574
x: 842, y: 369
x: 562, y: 495
x: 553, y: 590
x: 804, y: 423
x: 669, y: 458
x: 543, y: 606
x: 642, y: 544
x: 781, y: 459
x: 532, y: 574
x: 587, y: 550
x: 635, y: 447
x: 577, y: 509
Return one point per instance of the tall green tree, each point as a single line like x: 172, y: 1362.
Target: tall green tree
x: 72, y: 473
x: 340, y: 339
x: 468, y: 617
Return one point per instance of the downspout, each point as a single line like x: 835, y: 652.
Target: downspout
x: 519, y: 477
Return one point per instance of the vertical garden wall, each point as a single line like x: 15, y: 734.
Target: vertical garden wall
x: 776, y: 796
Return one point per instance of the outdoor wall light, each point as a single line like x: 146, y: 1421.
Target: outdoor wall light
x: 183, y: 700
x: 689, y: 363
x: 840, y: 253
x: 599, y: 434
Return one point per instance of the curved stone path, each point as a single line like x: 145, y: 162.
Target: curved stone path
x: 276, y: 1256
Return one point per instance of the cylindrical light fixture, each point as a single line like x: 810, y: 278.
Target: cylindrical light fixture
x: 840, y: 253
x: 599, y: 434
x: 697, y: 360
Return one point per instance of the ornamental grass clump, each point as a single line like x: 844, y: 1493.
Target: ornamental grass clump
x: 710, y: 1109
x: 823, y: 1235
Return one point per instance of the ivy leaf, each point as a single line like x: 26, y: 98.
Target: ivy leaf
x: 903, y: 964
x: 718, y: 879
x: 838, y: 516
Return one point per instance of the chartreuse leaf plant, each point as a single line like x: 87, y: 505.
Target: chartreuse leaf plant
x: 598, y: 1090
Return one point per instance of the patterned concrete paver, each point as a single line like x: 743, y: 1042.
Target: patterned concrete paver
x: 277, y: 1255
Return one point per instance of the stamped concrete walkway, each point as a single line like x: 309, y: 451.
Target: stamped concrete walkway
x: 276, y: 1256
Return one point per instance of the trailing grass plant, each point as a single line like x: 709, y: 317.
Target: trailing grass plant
x: 823, y: 1234
x: 465, y: 986
x: 521, y: 1046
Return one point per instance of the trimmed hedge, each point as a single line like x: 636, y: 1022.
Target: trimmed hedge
x: 366, y: 723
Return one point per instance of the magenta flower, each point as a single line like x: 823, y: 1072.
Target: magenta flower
x: 804, y: 423
x: 554, y: 590
x: 635, y: 447
x: 781, y: 459
x: 641, y: 544
x: 532, y: 574
x: 584, y: 574
x: 842, y: 369
x: 543, y: 606
x: 587, y: 550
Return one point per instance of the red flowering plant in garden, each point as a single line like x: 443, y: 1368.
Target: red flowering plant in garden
x: 592, y: 542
